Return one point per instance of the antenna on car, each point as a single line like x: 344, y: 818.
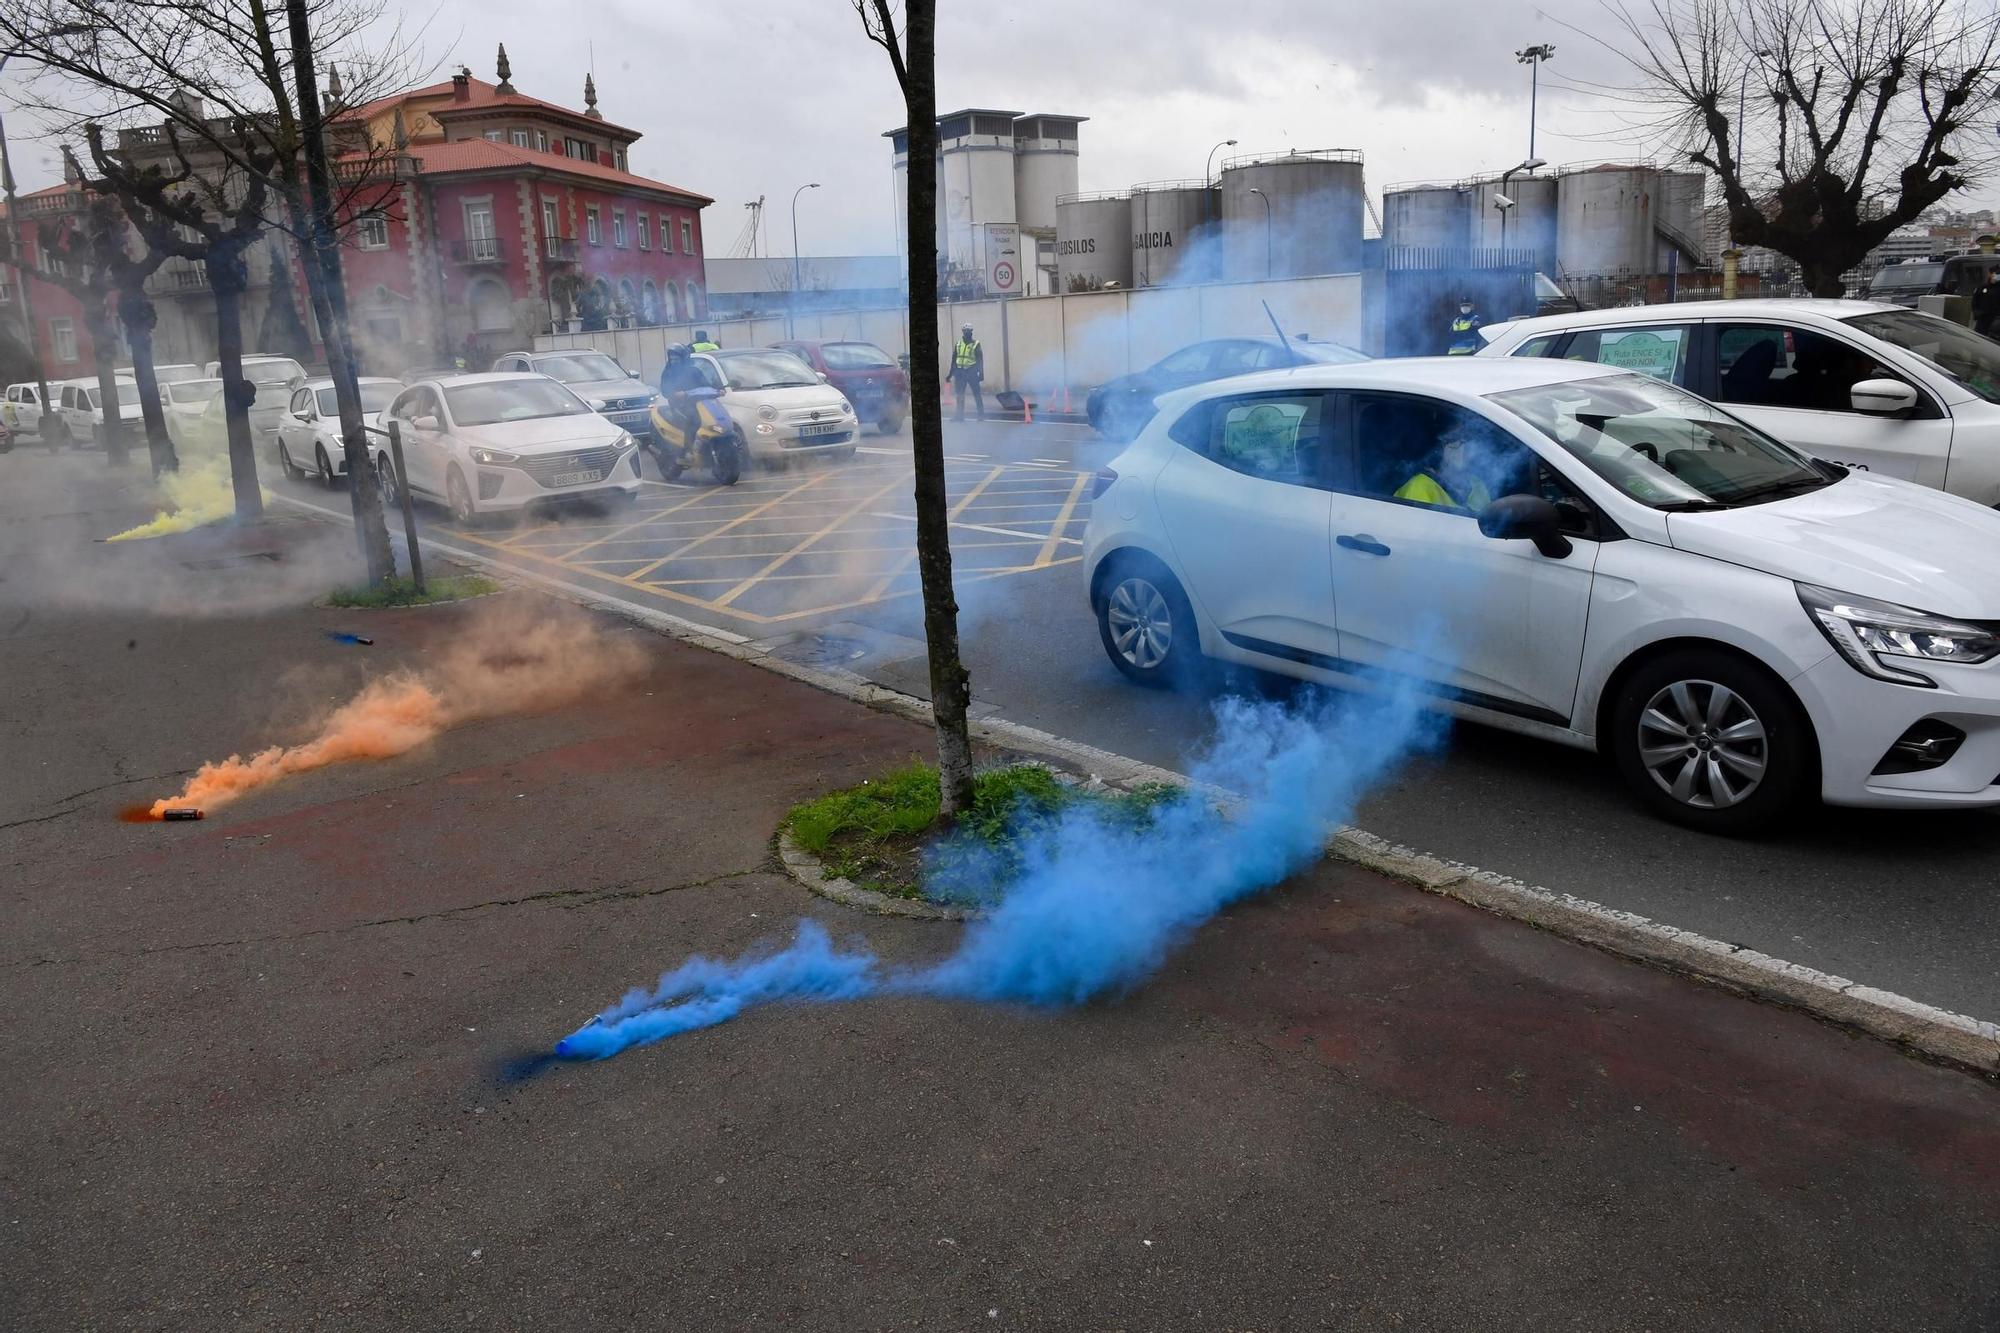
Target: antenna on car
x: 1283, y: 341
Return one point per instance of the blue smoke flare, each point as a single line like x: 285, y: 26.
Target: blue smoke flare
x: 1100, y: 902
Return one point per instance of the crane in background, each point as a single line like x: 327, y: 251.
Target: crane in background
x: 745, y: 244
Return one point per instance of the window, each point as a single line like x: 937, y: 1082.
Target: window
x: 579, y: 149
x: 1765, y: 365
x: 649, y: 303
x: 1969, y: 360
x: 1240, y: 358
x: 673, y: 311
x: 549, y: 227
x: 492, y: 305
x: 591, y: 230
x: 1439, y: 455
x: 62, y: 339
x: 666, y: 234
x: 618, y: 158
x: 1659, y: 351
x: 6, y: 290
x: 1542, y: 346
x: 645, y: 235
x: 520, y: 138
x: 371, y: 232
x: 1190, y: 362
x: 1277, y: 436
x: 618, y: 227
x: 481, y: 241
x: 694, y: 306
x: 687, y: 237
x: 496, y: 136
x: 301, y: 400
x: 541, y: 141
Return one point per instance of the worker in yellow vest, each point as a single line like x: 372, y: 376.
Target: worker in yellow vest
x: 968, y: 371
x: 704, y: 343
x: 1451, y: 480
x: 1465, y: 338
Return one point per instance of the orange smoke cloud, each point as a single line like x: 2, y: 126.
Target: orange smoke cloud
x: 505, y: 660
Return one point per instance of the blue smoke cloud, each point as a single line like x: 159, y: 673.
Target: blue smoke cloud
x: 1100, y: 902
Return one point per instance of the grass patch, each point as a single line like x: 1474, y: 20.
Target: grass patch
x: 883, y: 833
x: 402, y: 592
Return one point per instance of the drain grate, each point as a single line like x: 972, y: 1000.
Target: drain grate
x: 822, y: 650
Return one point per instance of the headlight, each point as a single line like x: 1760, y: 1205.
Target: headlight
x: 847, y: 407
x: 1867, y: 633
x: 625, y: 441
x: 494, y: 457
x: 767, y: 413
x: 766, y: 428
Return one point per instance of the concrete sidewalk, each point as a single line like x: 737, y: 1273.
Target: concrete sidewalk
x: 253, y: 1062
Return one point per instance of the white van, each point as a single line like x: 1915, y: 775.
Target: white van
x: 22, y: 409
x: 79, y: 418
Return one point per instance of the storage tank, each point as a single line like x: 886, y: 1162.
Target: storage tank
x: 1529, y: 225
x: 1604, y: 220
x: 1287, y: 215
x: 1171, y: 221
x: 1093, y: 241
x: 1427, y: 216
x: 1045, y: 164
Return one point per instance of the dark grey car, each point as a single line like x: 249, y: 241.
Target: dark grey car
x: 598, y: 379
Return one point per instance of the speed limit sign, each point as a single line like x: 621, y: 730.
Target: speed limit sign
x: 1003, y: 275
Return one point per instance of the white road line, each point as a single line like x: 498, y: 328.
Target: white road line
x: 981, y: 527
x: 1050, y: 460
x: 886, y: 453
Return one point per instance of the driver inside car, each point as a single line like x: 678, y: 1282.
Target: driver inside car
x: 1467, y: 471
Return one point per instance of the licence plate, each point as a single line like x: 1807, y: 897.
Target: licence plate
x: 833, y: 429
x: 574, y: 478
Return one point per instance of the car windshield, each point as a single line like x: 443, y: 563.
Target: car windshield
x: 128, y: 394
x: 765, y: 370
x: 1663, y: 446
x: 273, y: 372
x: 192, y: 391
x: 855, y: 356
x: 580, y: 368
x: 496, y: 401
x: 1970, y: 361
x: 176, y: 374
x: 374, y: 397
x: 1907, y: 277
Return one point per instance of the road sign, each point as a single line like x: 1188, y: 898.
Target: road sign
x: 1003, y: 276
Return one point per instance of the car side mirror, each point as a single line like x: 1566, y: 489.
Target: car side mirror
x: 1526, y: 518
x: 424, y: 423
x: 823, y: 379
x: 1882, y: 397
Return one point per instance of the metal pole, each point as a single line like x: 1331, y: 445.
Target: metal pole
x: 21, y: 276
x: 409, y: 508
x: 1267, y: 230
x: 1534, y: 96
x: 798, y: 282
x: 1207, y: 184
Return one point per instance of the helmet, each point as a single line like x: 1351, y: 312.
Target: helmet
x: 677, y: 352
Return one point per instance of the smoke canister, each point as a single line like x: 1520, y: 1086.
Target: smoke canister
x: 180, y: 813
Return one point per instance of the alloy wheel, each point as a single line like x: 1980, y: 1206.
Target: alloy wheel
x: 1142, y: 625
x: 1703, y: 744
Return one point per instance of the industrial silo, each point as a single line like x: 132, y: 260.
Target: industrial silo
x: 1171, y: 223
x: 1093, y: 241
x: 1292, y: 214
x: 1431, y: 217
x: 1045, y: 163
x: 1605, y: 220
x: 1530, y: 225
x: 975, y: 180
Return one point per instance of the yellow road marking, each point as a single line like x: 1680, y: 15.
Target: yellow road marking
x: 639, y: 575
x: 882, y: 584
x: 1062, y: 521
x: 846, y: 514
x: 640, y: 523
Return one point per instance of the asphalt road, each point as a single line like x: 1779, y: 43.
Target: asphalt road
x: 1906, y: 902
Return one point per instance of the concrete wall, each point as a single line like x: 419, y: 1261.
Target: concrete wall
x: 1040, y: 345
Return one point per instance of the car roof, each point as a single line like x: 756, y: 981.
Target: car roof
x: 482, y: 377
x: 318, y: 382
x: 1765, y: 308
x: 1475, y: 376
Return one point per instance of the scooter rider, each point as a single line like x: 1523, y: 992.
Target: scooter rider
x: 678, y: 376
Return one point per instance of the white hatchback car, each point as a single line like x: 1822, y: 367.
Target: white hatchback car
x: 783, y: 406
x: 1865, y: 384
x: 309, y: 442
x: 184, y: 401
x: 484, y: 443
x: 1571, y: 552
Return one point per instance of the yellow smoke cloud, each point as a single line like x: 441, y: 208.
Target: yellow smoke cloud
x: 199, y: 494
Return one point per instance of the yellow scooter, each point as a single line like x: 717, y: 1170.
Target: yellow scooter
x: 717, y: 442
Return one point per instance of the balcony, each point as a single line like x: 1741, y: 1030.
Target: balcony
x: 560, y: 249
x: 52, y: 205
x: 476, y: 250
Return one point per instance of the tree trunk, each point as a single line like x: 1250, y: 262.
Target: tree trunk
x: 329, y: 300
x: 104, y: 354
x: 1822, y: 277
x: 951, y: 687
x: 136, y: 313
x: 227, y: 277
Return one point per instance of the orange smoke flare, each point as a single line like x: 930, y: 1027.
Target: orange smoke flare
x: 505, y: 662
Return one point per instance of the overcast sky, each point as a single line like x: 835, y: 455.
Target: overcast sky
x: 756, y: 97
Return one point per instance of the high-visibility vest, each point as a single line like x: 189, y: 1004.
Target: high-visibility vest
x: 967, y: 355
x: 1424, y: 489
x: 708, y: 347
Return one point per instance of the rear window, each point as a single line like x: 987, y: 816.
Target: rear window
x: 855, y: 356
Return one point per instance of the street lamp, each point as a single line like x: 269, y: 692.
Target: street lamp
x: 1532, y: 57
x: 1742, y: 86
x: 1505, y: 204
x: 1208, y: 179
x: 1267, y: 230
x: 798, y: 283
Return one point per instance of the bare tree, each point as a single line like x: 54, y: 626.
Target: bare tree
x: 913, y: 56
x: 1829, y: 123
x: 129, y: 275
x: 76, y: 246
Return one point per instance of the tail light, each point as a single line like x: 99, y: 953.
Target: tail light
x: 1102, y: 482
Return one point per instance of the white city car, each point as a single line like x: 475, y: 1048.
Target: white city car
x: 1572, y: 552
x: 309, y: 440
x: 274, y: 377
x: 1868, y: 385
x: 184, y: 402
x: 783, y: 406
x: 484, y: 443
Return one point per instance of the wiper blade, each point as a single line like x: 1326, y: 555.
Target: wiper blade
x: 1692, y: 506
x: 1782, y: 490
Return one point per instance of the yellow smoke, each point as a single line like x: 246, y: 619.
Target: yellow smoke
x: 197, y: 495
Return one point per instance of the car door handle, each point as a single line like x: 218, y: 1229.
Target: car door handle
x: 1361, y: 541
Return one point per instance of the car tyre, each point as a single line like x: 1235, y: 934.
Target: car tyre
x: 458, y: 496
x: 327, y: 477
x: 1146, y: 624
x: 58, y: 433
x: 1712, y: 741
x: 889, y: 425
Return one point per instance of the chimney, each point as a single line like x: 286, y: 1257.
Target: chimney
x: 461, y: 85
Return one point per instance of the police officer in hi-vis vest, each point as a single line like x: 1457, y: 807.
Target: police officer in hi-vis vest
x: 968, y: 371
x: 1464, y: 339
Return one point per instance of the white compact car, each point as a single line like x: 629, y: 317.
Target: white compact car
x: 184, y: 401
x: 1865, y: 384
x: 485, y: 443
x: 783, y: 406
x: 274, y: 377
x: 309, y: 440
x: 1572, y: 552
